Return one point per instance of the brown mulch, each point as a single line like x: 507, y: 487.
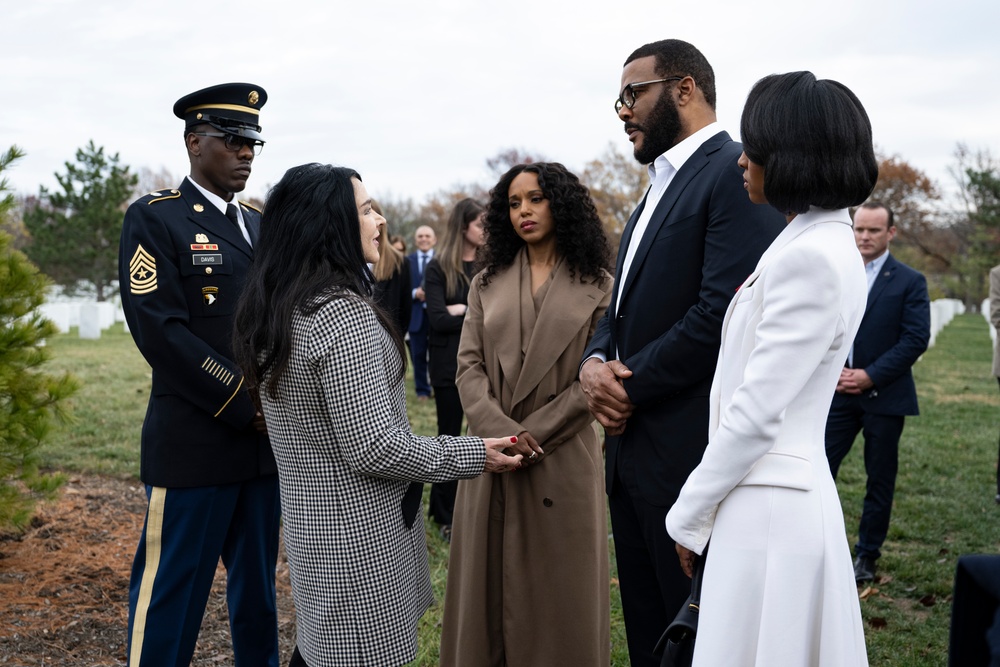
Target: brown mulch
x: 64, y: 583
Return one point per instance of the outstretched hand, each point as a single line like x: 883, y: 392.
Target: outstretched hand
x: 496, y: 460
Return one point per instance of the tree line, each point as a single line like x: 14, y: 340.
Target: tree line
x: 71, y: 233
x: 69, y: 237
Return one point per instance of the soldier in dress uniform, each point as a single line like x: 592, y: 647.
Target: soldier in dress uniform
x: 206, y: 461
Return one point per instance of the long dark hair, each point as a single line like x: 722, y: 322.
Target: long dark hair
x: 309, y: 253
x: 580, y: 237
x: 449, y: 254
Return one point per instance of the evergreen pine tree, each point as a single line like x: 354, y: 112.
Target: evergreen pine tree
x: 75, y: 232
x: 30, y: 398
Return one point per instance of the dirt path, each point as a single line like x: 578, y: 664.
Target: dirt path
x: 64, y: 584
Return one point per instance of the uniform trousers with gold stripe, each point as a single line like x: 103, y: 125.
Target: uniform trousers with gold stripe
x: 187, y: 531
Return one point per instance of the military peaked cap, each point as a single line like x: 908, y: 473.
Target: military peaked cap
x: 229, y: 107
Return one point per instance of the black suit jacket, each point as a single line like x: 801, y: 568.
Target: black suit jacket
x: 181, y: 269
x: 893, y: 334
x: 703, y: 240
x: 396, y: 296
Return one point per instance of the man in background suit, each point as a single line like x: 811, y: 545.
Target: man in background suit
x: 876, y: 389
x: 210, y: 475
x: 647, y: 371
x: 424, y: 239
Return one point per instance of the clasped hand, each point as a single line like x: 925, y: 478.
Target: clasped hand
x: 607, y: 399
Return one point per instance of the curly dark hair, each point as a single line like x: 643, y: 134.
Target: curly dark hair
x: 580, y: 237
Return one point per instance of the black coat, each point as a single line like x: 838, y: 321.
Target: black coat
x: 395, y: 297
x: 444, y: 330
x: 181, y: 269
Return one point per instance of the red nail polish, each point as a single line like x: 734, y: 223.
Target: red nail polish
x: 513, y: 439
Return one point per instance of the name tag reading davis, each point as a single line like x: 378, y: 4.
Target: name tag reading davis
x: 201, y: 259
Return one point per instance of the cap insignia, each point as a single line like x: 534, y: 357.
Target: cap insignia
x: 253, y: 97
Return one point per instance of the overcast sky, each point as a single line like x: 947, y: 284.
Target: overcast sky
x: 416, y: 95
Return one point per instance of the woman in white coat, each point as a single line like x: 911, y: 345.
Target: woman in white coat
x: 329, y: 366
x: 778, y: 584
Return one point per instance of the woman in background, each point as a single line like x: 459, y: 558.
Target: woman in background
x: 778, y: 586
x: 328, y: 366
x: 528, y: 574
x: 446, y: 286
x: 398, y: 243
x: 392, y: 279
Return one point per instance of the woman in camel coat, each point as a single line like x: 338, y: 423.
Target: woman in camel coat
x: 528, y: 578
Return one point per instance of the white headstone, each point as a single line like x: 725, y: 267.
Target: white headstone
x: 90, y: 320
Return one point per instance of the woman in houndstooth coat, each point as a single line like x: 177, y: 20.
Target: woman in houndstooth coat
x: 329, y: 369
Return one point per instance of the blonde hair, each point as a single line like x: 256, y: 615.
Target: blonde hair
x: 390, y: 260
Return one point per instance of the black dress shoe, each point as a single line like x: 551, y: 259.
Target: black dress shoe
x: 864, y: 569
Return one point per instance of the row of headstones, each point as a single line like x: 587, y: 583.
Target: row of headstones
x: 943, y: 311
x: 91, y: 317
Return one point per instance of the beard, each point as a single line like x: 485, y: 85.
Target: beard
x: 660, y: 131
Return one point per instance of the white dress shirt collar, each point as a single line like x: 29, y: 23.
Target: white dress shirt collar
x: 874, y: 267
x: 676, y: 156
x: 221, y: 204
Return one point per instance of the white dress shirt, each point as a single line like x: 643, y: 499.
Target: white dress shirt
x: 221, y: 204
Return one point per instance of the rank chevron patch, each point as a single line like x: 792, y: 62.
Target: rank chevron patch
x: 142, y: 272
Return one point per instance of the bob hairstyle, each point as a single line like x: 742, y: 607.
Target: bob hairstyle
x: 813, y: 139
x: 580, y: 237
x: 309, y: 253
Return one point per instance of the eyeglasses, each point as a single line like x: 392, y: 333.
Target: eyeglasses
x: 234, y: 142
x: 627, y: 98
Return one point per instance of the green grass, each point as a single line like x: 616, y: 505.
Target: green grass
x: 944, y: 498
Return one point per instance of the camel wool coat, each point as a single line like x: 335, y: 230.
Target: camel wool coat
x: 528, y: 580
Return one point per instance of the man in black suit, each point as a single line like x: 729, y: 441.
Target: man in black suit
x: 210, y: 476
x: 876, y: 390
x: 424, y: 238
x: 647, y: 371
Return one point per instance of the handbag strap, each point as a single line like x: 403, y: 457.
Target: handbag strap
x: 696, y: 575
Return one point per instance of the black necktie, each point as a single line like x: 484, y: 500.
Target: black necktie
x: 233, y: 215
x: 235, y: 219
x: 423, y: 263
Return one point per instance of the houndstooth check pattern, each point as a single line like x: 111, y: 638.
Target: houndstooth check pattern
x: 345, y: 456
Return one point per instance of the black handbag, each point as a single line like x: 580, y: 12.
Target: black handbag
x: 677, y: 642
